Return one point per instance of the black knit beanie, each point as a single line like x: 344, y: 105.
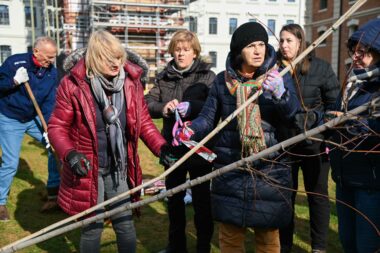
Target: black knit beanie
x: 245, y: 35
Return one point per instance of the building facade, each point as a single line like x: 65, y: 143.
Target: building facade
x: 145, y: 26
x: 214, y: 21
x: 322, y: 14
x: 16, y: 22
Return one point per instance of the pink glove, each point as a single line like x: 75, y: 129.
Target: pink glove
x: 274, y: 84
x: 183, y: 109
x: 182, y: 134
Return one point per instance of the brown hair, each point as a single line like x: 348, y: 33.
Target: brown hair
x: 185, y: 36
x: 298, y: 32
x: 103, y: 47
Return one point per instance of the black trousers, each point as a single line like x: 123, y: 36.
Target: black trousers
x: 315, y: 170
x: 196, y: 167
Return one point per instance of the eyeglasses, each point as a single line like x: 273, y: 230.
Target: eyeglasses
x: 357, y: 52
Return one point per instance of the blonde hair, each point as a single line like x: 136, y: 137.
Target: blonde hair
x: 185, y: 36
x: 103, y: 48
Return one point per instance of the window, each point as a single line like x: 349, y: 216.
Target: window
x: 323, y: 43
x: 213, y: 56
x: 252, y: 20
x: 322, y: 4
x: 321, y: 30
x: 28, y: 16
x: 291, y: 1
x: 193, y: 24
x: 271, y: 27
x: 289, y: 21
x: 213, y: 26
x: 5, y: 52
x: 352, y: 29
x: 233, y: 25
x: 4, y: 15
x: 352, y: 25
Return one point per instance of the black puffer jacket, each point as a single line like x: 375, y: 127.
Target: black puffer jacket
x: 239, y: 197
x: 318, y: 88
x: 192, y: 86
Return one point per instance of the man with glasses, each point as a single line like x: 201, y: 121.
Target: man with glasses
x: 18, y: 116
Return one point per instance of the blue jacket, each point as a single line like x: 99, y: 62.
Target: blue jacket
x: 14, y: 100
x: 238, y: 197
x: 358, y: 169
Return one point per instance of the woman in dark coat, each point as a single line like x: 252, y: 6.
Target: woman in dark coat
x: 240, y: 198
x: 317, y: 87
x: 183, y: 85
x: 99, y: 116
x: 356, y: 169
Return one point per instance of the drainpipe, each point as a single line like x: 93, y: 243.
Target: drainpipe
x: 32, y: 19
x: 57, y: 29
x: 340, y: 41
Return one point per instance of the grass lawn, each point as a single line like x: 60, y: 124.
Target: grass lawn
x: 26, y: 198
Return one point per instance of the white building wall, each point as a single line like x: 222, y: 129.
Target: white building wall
x: 243, y: 10
x: 16, y: 34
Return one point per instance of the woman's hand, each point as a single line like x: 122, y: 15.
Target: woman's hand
x: 79, y: 163
x: 183, y: 109
x: 169, y: 108
x: 274, y: 84
x: 329, y: 115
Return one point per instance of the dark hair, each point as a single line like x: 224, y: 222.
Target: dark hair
x: 298, y: 32
x: 236, y: 61
x: 352, y: 44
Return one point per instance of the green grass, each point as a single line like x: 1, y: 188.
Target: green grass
x: 28, y: 189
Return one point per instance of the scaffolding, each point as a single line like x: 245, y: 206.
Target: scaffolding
x: 76, y: 22
x: 52, y: 24
x: 145, y: 26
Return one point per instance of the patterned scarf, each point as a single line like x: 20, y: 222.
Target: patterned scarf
x: 358, y: 76
x: 111, y: 109
x: 249, y: 120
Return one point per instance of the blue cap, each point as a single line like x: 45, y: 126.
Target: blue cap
x: 368, y: 35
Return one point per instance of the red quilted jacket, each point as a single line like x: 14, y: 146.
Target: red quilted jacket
x: 72, y: 127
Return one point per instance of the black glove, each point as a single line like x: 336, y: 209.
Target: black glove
x: 309, y: 117
x: 78, y: 163
x: 167, y: 157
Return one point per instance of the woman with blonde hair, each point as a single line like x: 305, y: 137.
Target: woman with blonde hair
x: 183, y: 86
x: 99, y: 116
